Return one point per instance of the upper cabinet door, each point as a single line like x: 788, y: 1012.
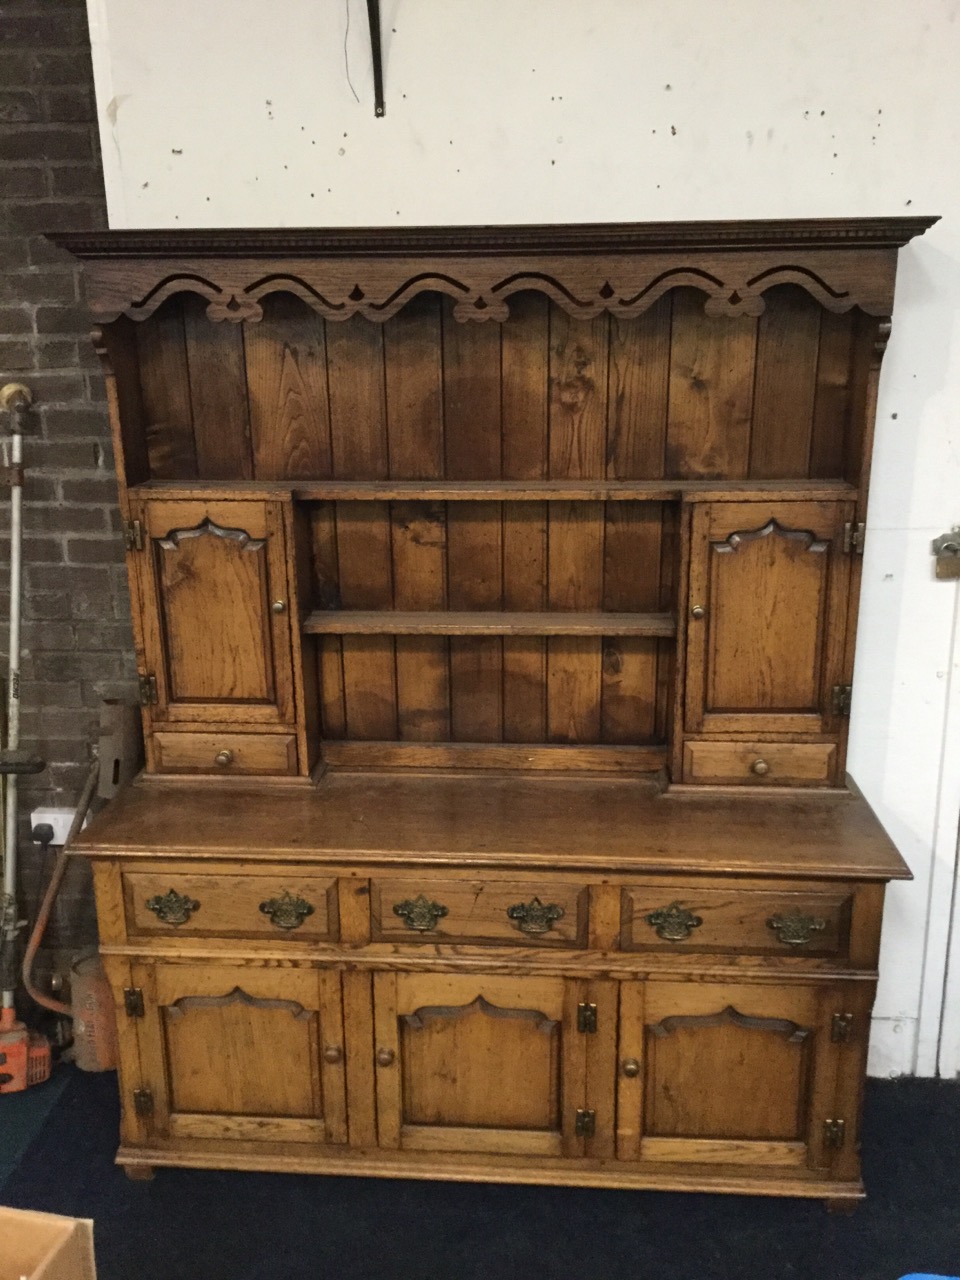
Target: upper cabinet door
x: 769, y: 590
x: 216, y: 612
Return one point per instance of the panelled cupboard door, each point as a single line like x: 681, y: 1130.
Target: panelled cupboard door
x: 216, y: 610
x: 729, y: 1074
x: 769, y: 585
x: 241, y: 1053
x: 479, y: 1064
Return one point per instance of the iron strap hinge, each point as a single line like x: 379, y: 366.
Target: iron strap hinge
x: 586, y: 1017
x: 841, y: 1028
x: 586, y: 1125
x: 834, y: 1133
x: 143, y: 1102
x: 840, y: 698
x: 854, y: 535
x: 133, y: 1002
x: 133, y: 535
x: 148, y: 690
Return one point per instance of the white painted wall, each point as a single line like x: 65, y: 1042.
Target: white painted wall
x: 240, y: 113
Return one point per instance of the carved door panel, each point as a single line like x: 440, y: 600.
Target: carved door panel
x: 769, y: 589
x: 216, y: 609
x: 243, y: 1053
x: 730, y: 1074
x: 481, y: 1064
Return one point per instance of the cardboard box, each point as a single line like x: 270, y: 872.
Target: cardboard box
x: 44, y: 1246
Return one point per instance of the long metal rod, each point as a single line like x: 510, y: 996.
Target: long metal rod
x: 9, y: 922
x: 373, y: 17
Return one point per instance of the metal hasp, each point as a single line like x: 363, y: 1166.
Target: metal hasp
x: 946, y: 548
x: 373, y: 16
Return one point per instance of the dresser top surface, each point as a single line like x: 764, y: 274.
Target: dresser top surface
x: 463, y: 821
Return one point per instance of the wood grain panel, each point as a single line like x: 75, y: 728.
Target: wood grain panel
x: 711, y: 391
x: 474, y: 581
x: 788, y: 339
x: 218, y: 394
x: 364, y: 555
x: 165, y: 388
x: 628, y: 709
x: 639, y: 386
x: 369, y: 686
x: 525, y: 399
x: 412, y: 353
x: 419, y: 574
x: 575, y: 582
x: 358, y: 425
x: 286, y: 358
x: 524, y: 588
x: 573, y: 689
x: 579, y: 355
x: 831, y: 410
x: 471, y: 398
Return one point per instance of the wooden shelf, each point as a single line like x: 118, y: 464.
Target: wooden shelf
x: 445, y: 622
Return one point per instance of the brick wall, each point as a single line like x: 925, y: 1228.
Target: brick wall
x: 77, y: 646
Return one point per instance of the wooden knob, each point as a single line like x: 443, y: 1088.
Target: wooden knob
x: 385, y: 1057
x: 760, y: 767
x: 333, y: 1054
x: 698, y: 612
x: 223, y: 758
x: 279, y: 606
x: 631, y: 1068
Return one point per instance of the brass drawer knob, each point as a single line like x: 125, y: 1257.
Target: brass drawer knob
x: 698, y: 612
x: 333, y: 1054
x: 279, y: 606
x: 760, y: 768
x: 385, y: 1057
x: 630, y: 1068
x: 796, y: 930
x: 535, y: 916
x: 172, y: 907
x: 287, y: 912
x: 420, y: 913
x: 224, y: 758
x: 673, y: 923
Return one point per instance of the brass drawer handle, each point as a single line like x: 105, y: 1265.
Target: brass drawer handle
x: 287, y: 912
x: 760, y: 768
x: 535, y: 916
x: 172, y: 907
x: 796, y: 930
x: 385, y: 1057
x: 673, y: 923
x: 419, y: 913
x: 630, y: 1068
x: 223, y: 758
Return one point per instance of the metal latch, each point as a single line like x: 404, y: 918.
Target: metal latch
x: 148, y: 690
x: 841, y: 1028
x: 586, y: 1125
x: 133, y: 535
x: 143, y: 1102
x: 854, y: 536
x: 834, y: 1133
x: 133, y: 1002
x: 841, y: 696
x: 946, y: 548
x: 586, y: 1017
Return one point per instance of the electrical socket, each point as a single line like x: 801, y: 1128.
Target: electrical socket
x: 59, y: 819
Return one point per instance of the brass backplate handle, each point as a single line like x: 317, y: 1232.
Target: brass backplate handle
x: 673, y: 923
x: 796, y: 930
x: 287, y: 911
x: 535, y: 916
x: 420, y: 913
x: 172, y: 907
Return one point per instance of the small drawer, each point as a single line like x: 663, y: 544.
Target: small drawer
x: 271, y: 906
x: 509, y: 913
x: 225, y: 753
x: 784, y: 921
x: 792, y: 764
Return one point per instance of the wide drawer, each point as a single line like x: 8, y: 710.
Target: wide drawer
x: 513, y: 913
x: 782, y: 920
x: 225, y: 753
x: 279, y: 904
x: 760, y: 763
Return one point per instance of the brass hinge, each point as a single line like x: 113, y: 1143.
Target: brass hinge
x: 854, y: 535
x: 834, y: 1133
x: 133, y: 1002
x: 586, y: 1125
x: 148, y: 690
x: 143, y: 1102
x: 133, y: 535
x: 586, y: 1017
x: 840, y: 698
x: 841, y: 1028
